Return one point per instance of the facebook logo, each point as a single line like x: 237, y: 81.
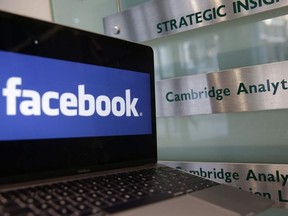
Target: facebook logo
x: 48, y: 98
x: 68, y: 102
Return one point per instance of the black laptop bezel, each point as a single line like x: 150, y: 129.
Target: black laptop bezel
x: 59, y: 157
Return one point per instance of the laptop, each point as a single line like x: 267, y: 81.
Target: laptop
x: 78, y: 130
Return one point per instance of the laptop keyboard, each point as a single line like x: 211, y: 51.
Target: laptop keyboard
x: 101, y: 195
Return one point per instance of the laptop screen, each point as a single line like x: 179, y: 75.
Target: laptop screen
x: 72, y: 101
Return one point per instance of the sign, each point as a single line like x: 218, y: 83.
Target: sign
x: 267, y: 180
x: 261, y: 87
x: 159, y: 18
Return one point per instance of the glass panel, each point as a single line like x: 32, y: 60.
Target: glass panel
x: 126, y: 4
x: 235, y: 137
x: 82, y: 14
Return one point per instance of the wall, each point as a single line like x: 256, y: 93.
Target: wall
x: 39, y: 9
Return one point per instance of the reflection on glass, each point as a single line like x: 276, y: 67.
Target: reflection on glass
x: 228, y: 46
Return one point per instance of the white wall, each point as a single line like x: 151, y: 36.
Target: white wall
x: 39, y: 9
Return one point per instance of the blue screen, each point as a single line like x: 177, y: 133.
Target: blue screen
x: 47, y: 98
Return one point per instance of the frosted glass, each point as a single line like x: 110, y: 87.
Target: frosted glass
x: 234, y: 137
x: 87, y: 15
x: 126, y: 4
